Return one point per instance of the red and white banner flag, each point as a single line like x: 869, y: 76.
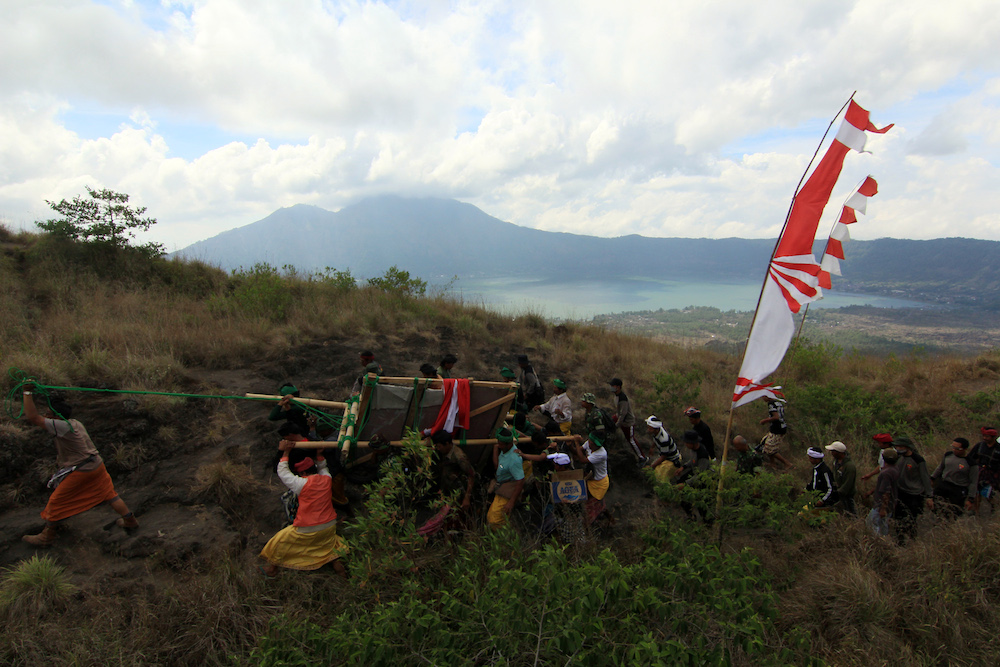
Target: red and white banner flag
x: 793, y: 277
x: 856, y: 203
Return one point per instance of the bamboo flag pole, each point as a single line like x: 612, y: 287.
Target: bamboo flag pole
x: 729, y: 424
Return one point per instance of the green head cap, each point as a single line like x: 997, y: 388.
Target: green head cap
x: 589, y: 398
x: 559, y: 383
x: 507, y: 373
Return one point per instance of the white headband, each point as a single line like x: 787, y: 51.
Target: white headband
x: 814, y: 453
x: 653, y: 422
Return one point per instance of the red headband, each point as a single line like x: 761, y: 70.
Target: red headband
x: 989, y: 432
x: 304, y: 465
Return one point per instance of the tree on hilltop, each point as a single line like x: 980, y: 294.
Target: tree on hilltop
x: 105, y: 219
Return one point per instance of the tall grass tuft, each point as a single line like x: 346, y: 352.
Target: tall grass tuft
x: 227, y: 483
x: 33, y: 587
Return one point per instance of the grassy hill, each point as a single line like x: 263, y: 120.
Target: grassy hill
x: 779, y: 589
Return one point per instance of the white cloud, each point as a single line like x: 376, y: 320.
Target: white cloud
x: 593, y: 117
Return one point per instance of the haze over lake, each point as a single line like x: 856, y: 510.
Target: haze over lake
x: 584, y: 298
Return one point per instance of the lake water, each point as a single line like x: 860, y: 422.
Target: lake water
x: 582, y: 299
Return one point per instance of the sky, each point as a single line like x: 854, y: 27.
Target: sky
x: 681, y: 118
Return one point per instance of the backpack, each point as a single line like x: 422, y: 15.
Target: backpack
x: 536, y: 396
x: 607, y: 418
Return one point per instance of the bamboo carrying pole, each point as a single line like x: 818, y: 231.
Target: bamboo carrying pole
x: 492, y: 404
x: 349, y: 432
x: 314, y: 402
x: 325, y: 444
x: 409, y: 381
x: 729, y: 425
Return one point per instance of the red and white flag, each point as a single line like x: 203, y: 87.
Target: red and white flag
x: 856, y: 203
x: 793, y: 277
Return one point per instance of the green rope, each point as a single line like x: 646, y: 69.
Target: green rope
x: 22, y: 380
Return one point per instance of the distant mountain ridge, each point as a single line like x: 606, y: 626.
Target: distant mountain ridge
x: 436, y: 239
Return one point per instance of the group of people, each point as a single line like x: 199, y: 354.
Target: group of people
x: 966, y: 476
x: 523, y: 459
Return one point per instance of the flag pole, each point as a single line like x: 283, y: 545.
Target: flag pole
x: 729, y: 424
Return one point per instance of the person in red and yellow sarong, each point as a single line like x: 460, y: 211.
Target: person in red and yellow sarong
x: 311, y: 541
x: 82, y: 482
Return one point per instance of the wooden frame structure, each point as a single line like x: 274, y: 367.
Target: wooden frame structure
x: 391, y: 405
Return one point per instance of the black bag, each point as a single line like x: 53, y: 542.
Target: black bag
x: 607, y: 418
x: 536, y: 396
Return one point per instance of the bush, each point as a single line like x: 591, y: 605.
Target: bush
x: 762, y: 500
x: 981, y: 407
x: 397, y: 281
x: 671, y: 390
x: 812, y: 361
x: 839, y: 410
x: 257, y: 292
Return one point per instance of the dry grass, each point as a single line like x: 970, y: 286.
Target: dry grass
x: 226, y: 483
x: 868, y: 602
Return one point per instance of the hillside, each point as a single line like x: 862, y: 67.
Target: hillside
x: 439, y: 239
x: 650, y: 586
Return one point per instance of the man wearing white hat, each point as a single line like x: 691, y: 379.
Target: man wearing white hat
x: 663, y: 444
x: 845, y: 476
x: 822, y: 479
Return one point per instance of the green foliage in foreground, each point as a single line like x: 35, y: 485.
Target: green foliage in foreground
x: 682, y: 603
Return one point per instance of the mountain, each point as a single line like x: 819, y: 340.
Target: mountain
x: 441, y: 238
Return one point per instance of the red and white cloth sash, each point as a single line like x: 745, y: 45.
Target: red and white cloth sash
x: 455, y: 407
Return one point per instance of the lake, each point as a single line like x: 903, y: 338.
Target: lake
x: 582, y: 299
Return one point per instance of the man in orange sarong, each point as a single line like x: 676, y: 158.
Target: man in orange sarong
x: 86, y: 482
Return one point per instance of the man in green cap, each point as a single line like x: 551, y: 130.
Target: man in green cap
x: 287, y: 410
x: 508, y: 481
x: 559, y: 407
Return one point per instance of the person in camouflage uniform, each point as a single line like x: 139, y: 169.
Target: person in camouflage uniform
x: 594, y: 420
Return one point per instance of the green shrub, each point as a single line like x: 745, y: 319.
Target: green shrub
x: 258, y: 292
x: 837, y: 410
x: 399, y: 282
x: 762, y: 500
x: 981, y: 406
x: 672, y: 391
x: 812, y: 361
